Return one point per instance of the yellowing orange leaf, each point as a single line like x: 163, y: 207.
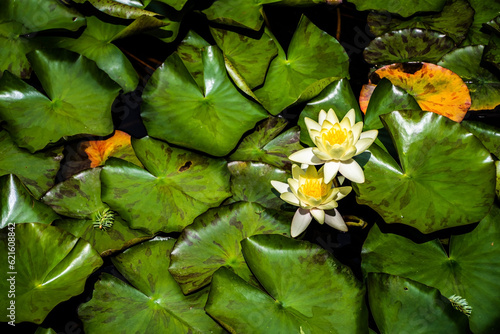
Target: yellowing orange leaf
x: 435, y: 88
x: 98, y: 151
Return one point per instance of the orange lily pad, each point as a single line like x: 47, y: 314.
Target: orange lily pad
x: 119, y: 145
x: 435, y: 88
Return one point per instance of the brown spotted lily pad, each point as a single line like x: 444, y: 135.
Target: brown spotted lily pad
x: 435, y: 88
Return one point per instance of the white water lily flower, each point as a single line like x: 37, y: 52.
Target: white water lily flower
x: 336, y: 143
x: 315, y: 198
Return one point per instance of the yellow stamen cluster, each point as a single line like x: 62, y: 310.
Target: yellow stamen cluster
x: 335, y: 135
x: 314, y: 187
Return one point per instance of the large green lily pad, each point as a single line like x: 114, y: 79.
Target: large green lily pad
x: 176, y: 186
x: 484, y: 11
x: 399, y: 303
x: 471, y: 269
x: 403, y: 8
x: 13, y: 49
x: 18, y: 206
x: 454, y: 21
x: 175, y: 109
x: 51, y: 265
x: 483, y: 85
x: 251, y: 182
x: 154, y: 304
x: 267, y: 145
x: 422, y: 191
x: 37, y: 15
x: 37, y: 171
x: 189, y: 50
x: 249, y: 57
x: 408, y: 45
x: 308, y: 291
x: 314, y: 60
x: 96, y: 44
x: 79, y: 100
x: 213, y: 241
x: 339, y: 96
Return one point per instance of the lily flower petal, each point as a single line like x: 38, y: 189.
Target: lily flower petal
x: 322, y: 117
x: 351, y: 116
x: 301, y: 219
x: 330, y: 170
x: 356, y: 130
x: 319, y: 215
x: 363, y: 144
x: 328, y: 206
x: 335, y: 220
x: 297, y: 171
x: 281, y: 187
x: 352, y: 171
x: 331, y: 117
x: 290, y: 199
x: 311, y: 125
x: 305, y: 156
x: 369, y: 134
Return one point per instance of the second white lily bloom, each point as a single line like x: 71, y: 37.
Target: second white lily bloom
x: 336, y: 143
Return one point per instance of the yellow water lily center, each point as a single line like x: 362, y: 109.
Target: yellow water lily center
x: 336, y: 145
x: 315, y: 198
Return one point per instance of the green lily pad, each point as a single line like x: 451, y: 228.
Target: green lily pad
x: 51, y: 266
x: 213, y: 241
x: 78, y: 196
x: 175, y: 109
x: 497, y: 164
x: 471, y: 269
x: 485, y: 11
x: 454, y: 21
x: 403, y: 8
x: 408, y: 45
x: 488, y: 134
x: 250, y: 182
x: 37, y: 171
x: 483, y: 85
x: 119, y: 237
x: 266, y: 145
x: 176, y: 186
x: 338, y: 96
x: 239, y: 13
x: 37, y: 15
x: 154, y: 303
x: 18, y: 206
x: 13, y: 50
x: 399, y: 303
x: 423, y: 191
x: 308, y: 291
x: 314, y: 60
x: 386, y: 98
x: 492, y: 52
x: 96, y: 44
x: 189, y: 50
x: 79, y: 100
x: 248, y: 56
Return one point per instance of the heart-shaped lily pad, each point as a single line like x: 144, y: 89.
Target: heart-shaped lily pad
x: 454, y: 21
x: 251, y: 182
x: 488, y: 134
x: 471, y: 269
x: 154, y: 303
x: 314, y: 60
x: 37, y: 171
x: 79, y: 100
x: 337, y: 96
x: 96, y: 44
x: 175, y: 109
x: 408, y: 45
x: 51, y: 265
x: 265, y: 145
x: 399, y: 303
x: 484, y: 11
x: 189, y: 50
x: 435, y: 88
x: 13, y: 49
x: 405, y: 9
x: 213, y: 241
x: 18, y: 206
x: 308, y: 291
x: 176, y: 186
x: 423, y: 191
x: 483, y: 85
